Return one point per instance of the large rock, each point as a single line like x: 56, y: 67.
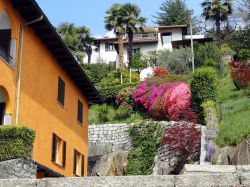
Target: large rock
x: 239, y: 155
x: 112, y: 164
x: 17, y: 168
x: 165, y: 167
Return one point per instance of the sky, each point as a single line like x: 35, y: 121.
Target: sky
x: 91, y: 13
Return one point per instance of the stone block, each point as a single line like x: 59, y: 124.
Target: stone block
x: 207, y: 180
x: 197, y: 169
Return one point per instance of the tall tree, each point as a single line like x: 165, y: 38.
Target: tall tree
x: 114, y: 22
x: 133, y: 23
x: 173, y: 12
x: 72, y: 36
x: 217, y: 11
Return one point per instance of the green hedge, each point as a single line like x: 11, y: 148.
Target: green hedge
x: 204, y: 88
x: 146, y: 139
x: 109, y: 93
x: 16, y: 142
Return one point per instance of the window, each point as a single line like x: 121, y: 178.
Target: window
x: 78, y: 169
x: 80, y: 112
x: 112, y: 64
x: 109, y: 47
x: 61, y: 91
x: 5, y: 38
x: 166, y: 38
x: 58, y: 151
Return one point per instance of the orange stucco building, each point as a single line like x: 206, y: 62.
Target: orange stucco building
x: 44, y: 88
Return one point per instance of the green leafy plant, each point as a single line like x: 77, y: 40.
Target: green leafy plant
x: 204, y: 88
x: 97, y: 72
x: 16, y: 142
x: 146, y: 138
x: 207, y: 55
x: 177, y: 61
x: 103, y: 114
x: 138, y: 62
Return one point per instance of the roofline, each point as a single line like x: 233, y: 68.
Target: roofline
x: 30, y: 10
x: 171, y: 26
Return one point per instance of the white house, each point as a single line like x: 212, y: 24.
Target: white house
x: 152, y: 38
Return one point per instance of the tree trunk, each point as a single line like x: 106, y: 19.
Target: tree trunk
x: 89, y: 53
x: 130, y: 48
x: 89, y: 58
x: 120, y: 52
x: 218, y: 33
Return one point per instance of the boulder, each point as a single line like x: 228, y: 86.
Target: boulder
x: 239, y: 155
x: 111, y: 164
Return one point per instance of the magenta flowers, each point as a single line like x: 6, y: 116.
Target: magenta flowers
x: 166, y: 100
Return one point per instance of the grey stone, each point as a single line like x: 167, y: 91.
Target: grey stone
x: 202, y: 169
x: 218, y: 180
x: 112, y: 164
x: 17, y: 168
x: 239, y: 155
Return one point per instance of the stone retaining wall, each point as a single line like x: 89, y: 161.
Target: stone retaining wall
x: 202, y: 180
x: 107, y: 138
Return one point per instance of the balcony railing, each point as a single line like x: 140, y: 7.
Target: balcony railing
x: 6, y: 57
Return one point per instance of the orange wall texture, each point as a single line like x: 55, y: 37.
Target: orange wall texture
x: 39, y: 108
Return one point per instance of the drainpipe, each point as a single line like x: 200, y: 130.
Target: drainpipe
x: 20, y: 64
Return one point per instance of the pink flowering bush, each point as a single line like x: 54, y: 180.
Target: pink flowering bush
x: 166, y: 100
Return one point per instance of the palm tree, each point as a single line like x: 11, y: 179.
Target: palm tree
x: 217, y: 11
x: 134, y: 23
x: 70, y: 35
x: 114, y: 22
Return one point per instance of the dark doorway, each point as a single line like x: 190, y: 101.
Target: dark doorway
x: 2, y: 112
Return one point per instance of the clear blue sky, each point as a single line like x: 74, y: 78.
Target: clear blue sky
x: 91, y: 12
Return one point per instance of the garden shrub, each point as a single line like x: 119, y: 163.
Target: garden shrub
x: 96, y: 72
x: 109, y: 93
x: 162, y: 100
x: 207, y: 55
x: 146, y: 139
x: 102, y: 114
x: 113, y: 78
x: 16, y: 142
x: 138, y: 62
x: 240, y: 74
x: 124, y: 98
x: 185, y: 139
x: 177, y: 61
x: 160, y: 72
x: 204, y: 88
x: 211, y: 121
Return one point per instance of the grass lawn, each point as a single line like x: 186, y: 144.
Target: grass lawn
x: 236, y: 110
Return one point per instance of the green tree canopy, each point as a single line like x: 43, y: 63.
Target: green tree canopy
x: 72, y: 35
x: 173, y: 12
